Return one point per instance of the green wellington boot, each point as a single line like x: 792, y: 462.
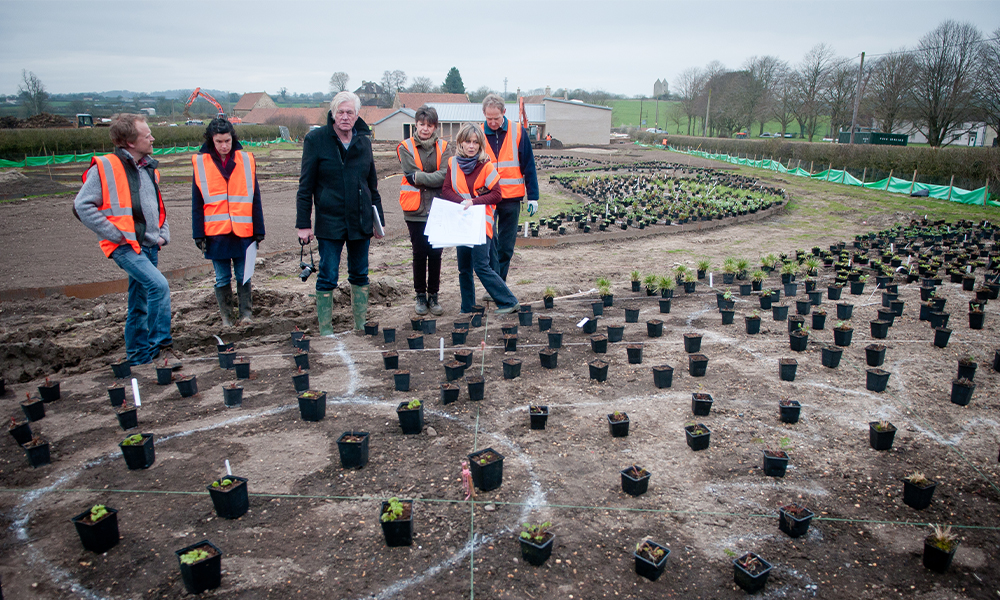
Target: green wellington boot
x: 324, y: 310
x: 359, y: 304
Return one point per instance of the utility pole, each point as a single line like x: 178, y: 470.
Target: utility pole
x: 708, y: 107
x: 504, y: 88
x: 857, y: 97
x: 657, y: 125
x: 640, y: 113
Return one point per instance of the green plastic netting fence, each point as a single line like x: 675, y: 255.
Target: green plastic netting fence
x: 64, y: 159
x: 895, y: 185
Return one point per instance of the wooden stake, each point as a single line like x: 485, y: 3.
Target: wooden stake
x: 951, y: 185
x: 828, y: 169
x: 863, y: 175
x: 986, y: 192
x: 888, y: 180
x: 913, y: 182
x: 810, y: 167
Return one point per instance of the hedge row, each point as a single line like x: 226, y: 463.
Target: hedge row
x: 15, y: 144
x: 970, y: 166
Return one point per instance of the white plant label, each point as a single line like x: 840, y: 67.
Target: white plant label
x: 583, y: 322
x: 135, y: 391
x: 441, y: 347
x: 891, y: 250
x: 710, y: 280
x: 968, y: 268
x: 218, y: 339
x: 229, y: 471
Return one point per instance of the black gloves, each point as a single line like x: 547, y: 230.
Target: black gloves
x: 201, y: 243
x: 259, y: 239
x: 410, y: 179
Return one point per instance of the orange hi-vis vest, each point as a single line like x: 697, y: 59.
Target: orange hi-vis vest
x: 228, y: 204
x: 117, y: 206
x: 507, y: 164
x: 487, y: 178
x: 409, y: 196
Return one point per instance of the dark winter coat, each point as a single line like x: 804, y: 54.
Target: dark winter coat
x: 230, y: 245
x: 340, y: 182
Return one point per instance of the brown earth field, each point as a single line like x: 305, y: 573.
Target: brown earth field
x: 312, y: 529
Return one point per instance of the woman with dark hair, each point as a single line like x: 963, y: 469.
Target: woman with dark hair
x: 226, y: 213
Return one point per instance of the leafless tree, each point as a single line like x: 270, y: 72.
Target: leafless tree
x: 764, y: 71
x: 838, y: 95
x: 338, y: 81
x: 392, y: 82
x: 675, y: 115
x: 810, y: 81
x: 733, y: 102
x: 421, y: 85
x: 944, y: 92
x: 890, y: 80
x: 32, y: 93
x: 783, y: 97
x: 989, y: 77
x: 688, y: 87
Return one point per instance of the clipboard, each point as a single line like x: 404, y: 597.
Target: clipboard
x: 377, y: 223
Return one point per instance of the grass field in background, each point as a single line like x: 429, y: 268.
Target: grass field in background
x: 625, y: 113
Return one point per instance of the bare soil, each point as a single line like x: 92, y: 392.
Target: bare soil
x: 313, y: 528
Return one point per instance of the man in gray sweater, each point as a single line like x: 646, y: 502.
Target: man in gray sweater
x: 120, y: 201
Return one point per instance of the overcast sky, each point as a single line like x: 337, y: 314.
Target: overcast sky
x: 621, y: 46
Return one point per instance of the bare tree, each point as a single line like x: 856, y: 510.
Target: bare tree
x: 783, y: 97
x: 338, y: 81
x: 688, y: 87
x: 989, y: 76
x: 32, y: 93
x: 810, y: 81
x: 421, y: 85
x: 838, y: 95
x: 764, y: 72
x: 392, y: 82
x: 733, y: 101
x: 890, y: 80
x: 945, y: 88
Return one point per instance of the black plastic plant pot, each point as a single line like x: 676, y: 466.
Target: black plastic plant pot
x: 654, y: 328
x: 634, y: 353
x: 649, y: 569
x: 353, y: 448
x: 232, y: 395
x: 787, y: 368
x: 510, y: 342
x: 803, y: 307
x: 511, y: 368
x: 961, y: 391
x: 599, y: 344
x: 487, y: 469
x: 116, y: 393
x: 794, y: 520
x: 815, y: 298
x: 538, y: 418
x: 874, y: 355
x: 33, y: 410
x: 464, y: 356
x: 608, y: 300
x: 398, y: 532
x: 701, y: 404
x: 937, y: 559
x: 122, y: 369
x: 458, y: 336
x: 798, y: 341
x: 411, y: 420
x: 555, y: 339
x: 535, y: 553
x: 549, y: 357
x: 21, y: 432
x: 97, y: 536
x: 791, y: 289
x: 590, y: 326
x: 49, y: 392
x: 242, y: 369
x: 996, y: 361
x: 618, y: 428
x: 301, y: 381
x: 876, y: 380
x: 831, y: 357
x: 697, y: 441
x: 390, y: 360
x: 454, y: 369
x: 615, y: 333
x: 205, y: 574
x: 477, y: 387
x: 857, y: 288
x: 415, y: 341
x: 598, y: 370
x: 663, y: 376
x: 428, y: 326
x: 665, y: 306
x: 449, y: 393
x: 635, y: 480
x: 139, y: 456
x: 297, y: 335
x: 833, y: 292
x: 38, y: 454
x: 881, y: 439
x: 312, y: 405
x: 371, y: 328
x: 879, y: 329
x: 692, y: 342
x: 632, y: 315
x: 727, y: 316
x: 789, y: 411
x: 885, y: 314
x: 918, y: 497
x: 415, y: 323
x: 401, y: 379
x: 525, y: 317
x: 752, y: 325
x: 697, y: 365
x: 842, y: 337
x: 779, y: 312
x: 897, y: 307
x: 128, y: 419
x: 226, y: 360
x: 598, y: 308
x: 752, y: 579
x: 690, y: 286
x: 795, y: 323
x: 775, y: 463
x: 232, y: 501
x: 967, y: 370
x: 765, y: 302
x: 976, y: 320
x: 844, y: 311
x: 389, y: 335
x: 476, y: 319
x: 636, y: 286
x: 301, y: 360
x: 548, y: 302
x: 188, y: 386
x: 939, y: 319
x: 544, y: 323
x: 164, y: 375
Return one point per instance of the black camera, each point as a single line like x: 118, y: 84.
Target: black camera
x: 306, y: 269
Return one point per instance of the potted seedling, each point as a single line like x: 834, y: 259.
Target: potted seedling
x: 618, y: 423
x: 635, y: 279
x: 538, y: 416
x: 201, y: 566
x: 729, y: 270
x: 300, y: 380
x: 116, y: 393
x: 789, y: 410
x: 232, y: 394
x: 757, y: 280
x: 353, y: 447
x: 37, y: 451
x: 650, y: 558
x: 689, y: 282
x: 97, y: 528
x: 128, y: 416
x: 536, y: 543
x: 881, y: 434
x: 34, y: 408
x: 548, y: 296
x: 750, y: 572
x: 775, y: 462
x: 138, y: 451
x: 650, y: 282
x: 604, y: 290
x: 918, y: 490
x: 794, y: 519
x: 230, y: 496
x: 703, y: 266
x: 698, y: 436
x: 49, y: 391
x: 635, y: 480
x: 939, y: 548
x: 961, y: 391
x: 487, y: 469
x: 842, y: 334
x: 411, y: 416
x: 241, y: 366
x: 665, y: 287
x: 312, y: 405
x: 396, y: 517
x: 188, y: 385
x: 20, y: 431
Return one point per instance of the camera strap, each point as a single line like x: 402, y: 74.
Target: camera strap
x: 302, y: 250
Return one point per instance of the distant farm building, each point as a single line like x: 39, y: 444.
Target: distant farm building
x: 251, y: 101
x: 286, y: 116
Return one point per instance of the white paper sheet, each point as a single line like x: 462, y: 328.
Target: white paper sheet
x: 251, y: 260
x: 377, y: 223
x: 449, y: 224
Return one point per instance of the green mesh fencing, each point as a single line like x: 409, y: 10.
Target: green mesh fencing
x: 896, y: 185
x: 64, y: 159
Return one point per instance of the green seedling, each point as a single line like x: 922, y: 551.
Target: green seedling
x: 393, y: 510
x: 634, y: 276
x: 729, y: 553
x: 550, y: 292
x: 133, y: 440
x: 192, y: 556
x: 943, y: 539
x: 535, y: 533
x: 918, y: 479
x: 224, y: 483
x: 413, y: 404
x: 98, y: 512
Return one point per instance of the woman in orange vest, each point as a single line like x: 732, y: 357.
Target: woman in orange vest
x: 472, y: 179
x: 424, y: 168
x: 226, y: 213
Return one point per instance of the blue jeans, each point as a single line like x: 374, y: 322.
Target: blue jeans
x: 147, y: 324
x: 222, y: 274
x: 477, y: 259
x: 329, y: 263
x: 505, y: 216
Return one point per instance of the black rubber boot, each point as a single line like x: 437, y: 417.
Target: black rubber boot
x: 432, y: 304
x: 421, y: 305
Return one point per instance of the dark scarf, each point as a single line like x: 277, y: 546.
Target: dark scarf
x: 468, y: 163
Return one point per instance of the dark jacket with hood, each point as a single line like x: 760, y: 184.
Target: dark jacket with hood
x: 229, y: 245
x: 340, y: 182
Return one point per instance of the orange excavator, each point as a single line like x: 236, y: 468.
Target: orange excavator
x: 194, y: 96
